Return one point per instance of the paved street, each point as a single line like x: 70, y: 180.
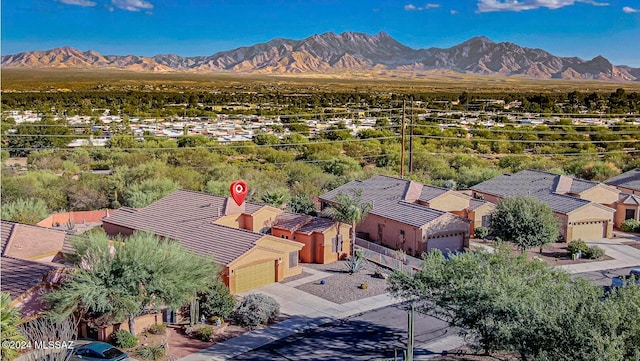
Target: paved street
x: 368, y: 336
x: 373, y: 327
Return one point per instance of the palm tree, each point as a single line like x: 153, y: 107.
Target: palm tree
x: 10, y: 318
x: 349, y: 209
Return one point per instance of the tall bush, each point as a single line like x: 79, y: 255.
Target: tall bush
x: 255, y: 310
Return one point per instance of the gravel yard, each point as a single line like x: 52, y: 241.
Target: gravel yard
x: 341, y: 287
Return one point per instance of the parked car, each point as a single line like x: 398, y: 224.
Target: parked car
x: 621, y: 281
x: 97, y: 350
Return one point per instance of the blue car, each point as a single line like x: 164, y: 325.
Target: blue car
x: 95, y: 351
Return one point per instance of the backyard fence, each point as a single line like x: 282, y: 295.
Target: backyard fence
x: 394, y: 259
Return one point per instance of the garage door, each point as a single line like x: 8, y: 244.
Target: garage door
x: 588, y: 230
x: 446, y: 242
x: 248, y: 278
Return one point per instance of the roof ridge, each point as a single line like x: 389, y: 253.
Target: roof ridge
x: 212, y: 195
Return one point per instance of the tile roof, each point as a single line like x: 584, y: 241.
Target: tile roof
x: 630, y: 199
x: 187, y: 217
x: 521, y: 183
x: 388, y: 197
x: 317, y: 224
x: 31, y: 242
x: 630, y: 179
x: 6, y: 230
x: 431, y: 192
x: 540, y: 185
x: 531, y: 181
x: 291, y: 221
x: 559, y: 202
x: 19, y: 276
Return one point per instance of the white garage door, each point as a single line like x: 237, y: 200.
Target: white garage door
x: 446, y: 242
x: 588, y: 230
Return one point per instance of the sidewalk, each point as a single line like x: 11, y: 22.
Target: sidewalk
x: 306, y: 311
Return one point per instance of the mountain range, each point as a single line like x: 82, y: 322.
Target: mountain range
x: 349, y: 51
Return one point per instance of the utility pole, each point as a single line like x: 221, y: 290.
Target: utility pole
x: 410, y: 334
x: 402, y: 152
x: 411, y: 140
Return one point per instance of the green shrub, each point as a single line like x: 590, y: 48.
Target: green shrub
x: 482, y: 232
x: 217, y: 301
x: 255, y: 310
x: 576, y: 246
x: 630, y: 225
x: 124, y: 339
x: 155, y: 352
x: 594, y: 252
x: 158, y: 329
x: 204, y: 334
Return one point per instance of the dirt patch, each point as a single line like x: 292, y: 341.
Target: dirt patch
x: 178, y: 344
x: 342, y: 287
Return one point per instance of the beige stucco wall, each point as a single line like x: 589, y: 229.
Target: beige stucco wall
x: 477, y: 214
x: 449, y: 202
x: 601, y: 194
x: 590, y: 212
x: 264, y: 218
x: 268, y: 249
x: 232, y: 220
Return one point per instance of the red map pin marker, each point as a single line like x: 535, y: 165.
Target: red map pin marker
x: 239, y: 191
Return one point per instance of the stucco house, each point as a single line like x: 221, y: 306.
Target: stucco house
x: 584, y: 208
x: 322, y: 241
x: 401, y: 217
x: 628, y: 204
x: 25, y: 265
x: 215, y: 226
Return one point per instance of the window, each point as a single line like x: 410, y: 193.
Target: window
x: 293, y: 259
x: 336, y: 244
x: 486, y: 220
x: 630, y: 214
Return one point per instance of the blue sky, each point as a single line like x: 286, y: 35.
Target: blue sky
x: 583, y: 28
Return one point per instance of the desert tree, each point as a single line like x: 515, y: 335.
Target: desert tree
x: 119, y: 279
x: 525, y: 221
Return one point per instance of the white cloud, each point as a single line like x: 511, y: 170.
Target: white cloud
x: 453, y: 12
x: 411, y: 7
x: 522, y: 5
x: 84, y: 3
x: 132, y: 5
x: 630, y: 10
